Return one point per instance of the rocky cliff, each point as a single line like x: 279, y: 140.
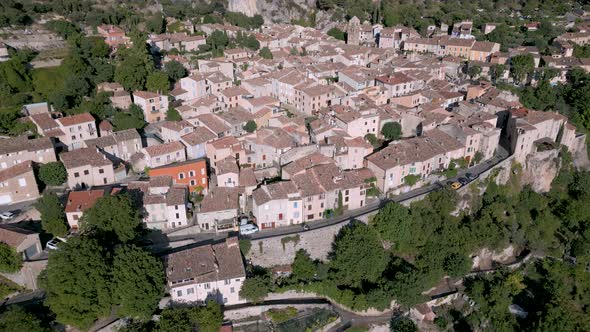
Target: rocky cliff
x: 275, y: 11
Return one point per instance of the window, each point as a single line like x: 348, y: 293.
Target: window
x: 177, y: 216
x: 181, y: 176
x: 191, y: 173
x: 190, y: 291
x: 101, y: 171
x: 309, y: 208
x: 227, y: 282
x: 193, y: 183
x: 76, y: 175
x: 86, y: 172
x: 232, y: 290
x: 179, y: 293
x: 296, y: 204
x: 203, y: 171
x: 346, y: 192
x: 280, y: 216
x: 346, y: 199
x: 225, y: 300
x: 76, y: 217
x: 207, y: 286
x: 309, y: 216
x: 203, y: 180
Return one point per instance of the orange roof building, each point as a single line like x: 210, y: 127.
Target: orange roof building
x: 191, y: 173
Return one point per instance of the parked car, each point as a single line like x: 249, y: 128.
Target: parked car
x: 6, y: 215
x: 248, y: 229
x: 454, y: 185
x: 53, y: 244
x: 463, y: 181
x: 471, y: 176
x: 306, y: 227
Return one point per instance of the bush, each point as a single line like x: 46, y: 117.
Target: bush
x: 281, y: 315
x: 412, y: 179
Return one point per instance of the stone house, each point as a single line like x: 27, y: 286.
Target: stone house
x: 212, y: 271
x: 87, y: 167
x: 18, y: 183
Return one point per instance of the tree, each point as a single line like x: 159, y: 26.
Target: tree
x: 112, y: 217
x: 16, y: 319
x: 158, y: 81
x: 217, y: 41
x: 255, y: 289
x: 100, y: 106
x: 265, y: 53
x: 173, y: 115
x: 10, y: 260
x: 357, y: 256
x: 392, y: 130
x: 206, y: 318
x: 372, y: 139
x: 135, y: 65
x: 402, y: 324
x: 128, y: 120
x: 337, y: 33
x: 521, y: 67
x: 156, y: 24
x: 138, y: 282
x: 53, y: 173
x: 395, y: 224
x: 250, y: 126
x: 473, y: 71
x: 52, y: 214
x: 497, y: 71
x: 76, y: 282
x: 175, y: 70
x: 304, y: 268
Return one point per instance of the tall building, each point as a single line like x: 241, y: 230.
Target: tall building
x: 353, y: 31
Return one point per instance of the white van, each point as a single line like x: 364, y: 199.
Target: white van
x: 248, y: 229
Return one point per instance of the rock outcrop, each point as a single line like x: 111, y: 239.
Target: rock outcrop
x: 540, y: 170
x: 246, y: 7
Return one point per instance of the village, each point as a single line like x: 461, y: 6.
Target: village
x: 312, y: 130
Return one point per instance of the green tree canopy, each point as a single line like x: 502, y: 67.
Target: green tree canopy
x: 337, y: 33
x: 53, y: 218
x: 10, y: 260
x: 113, y: 218
x: 521, y: 66
x: 16, y: 319
x: 173, y: 115
x: 129, y: 120
x: 357, y: 256
x: 134, y: 66
x: 53, y: 173
x: 138, y: 282
x: 265, y: 53
x: 256, y: 288
x: 77, y: 282
x: 250, y: 126
x: 304, y: 268
x: 206, y: 318
x: 158, y: 81
x: 175, y: 70
x: 392, y: 130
